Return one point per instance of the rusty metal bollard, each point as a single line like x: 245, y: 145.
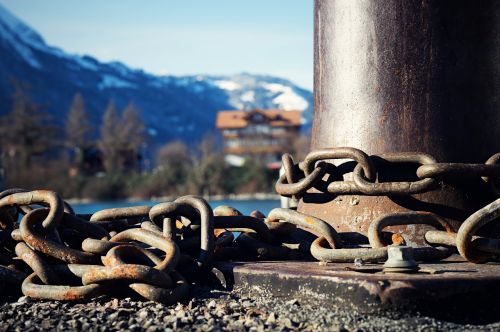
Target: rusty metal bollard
x: 406, y: 76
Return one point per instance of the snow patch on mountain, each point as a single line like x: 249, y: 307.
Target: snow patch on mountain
x: 248, y: 96
x: 86, y: 63
x: 286, y: 97
x: 110, y: 81
x: 227, y: 85
x: 291, y: 101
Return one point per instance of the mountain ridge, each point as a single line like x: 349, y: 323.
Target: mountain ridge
x: 173, y: 107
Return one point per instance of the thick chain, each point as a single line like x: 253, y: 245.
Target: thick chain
x: 299, y: 178
x: 156, y: 252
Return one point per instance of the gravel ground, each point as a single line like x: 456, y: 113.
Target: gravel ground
x: 209, y: 310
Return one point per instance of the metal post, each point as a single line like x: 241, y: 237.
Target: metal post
x: 406, y: 75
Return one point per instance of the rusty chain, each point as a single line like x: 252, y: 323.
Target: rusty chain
x: 298, y: 178
x: 156, y: 252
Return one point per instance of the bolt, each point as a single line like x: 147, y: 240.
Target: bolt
x: 358, y: 262
x: 400, y: 260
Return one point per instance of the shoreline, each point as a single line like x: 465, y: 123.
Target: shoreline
x: 233, y: 197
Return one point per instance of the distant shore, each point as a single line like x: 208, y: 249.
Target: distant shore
x: 233, y: 197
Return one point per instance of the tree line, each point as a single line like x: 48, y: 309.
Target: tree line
x: 81, y: 161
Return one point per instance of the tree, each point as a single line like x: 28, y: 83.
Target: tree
x: 174, y: 166
x: 210, y: 164
x: 121, y: 138
x: 108, y: 143
x: 78, y: 126
x: 131, y: 136
x: 25, y: 131
x: 174, y: 154
x: 78, y: 130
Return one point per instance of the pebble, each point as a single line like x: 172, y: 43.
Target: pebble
x: 142, y: 314
x: 23, y: 299
x: 271, y: 319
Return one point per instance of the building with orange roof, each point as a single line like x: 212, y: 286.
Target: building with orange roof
x: 259, y: 134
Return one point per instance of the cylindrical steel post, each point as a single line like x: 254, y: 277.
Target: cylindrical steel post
x: 406, y: 75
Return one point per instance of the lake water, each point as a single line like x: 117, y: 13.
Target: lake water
x: 244, y: 206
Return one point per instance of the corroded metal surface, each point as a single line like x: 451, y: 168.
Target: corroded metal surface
x: 402, y: 76
x: 366, y: 288
x: 408, y: 75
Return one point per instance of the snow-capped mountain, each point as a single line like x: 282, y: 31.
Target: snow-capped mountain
x: 172, y: 107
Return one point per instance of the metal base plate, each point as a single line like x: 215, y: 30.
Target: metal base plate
x: 451, y: 289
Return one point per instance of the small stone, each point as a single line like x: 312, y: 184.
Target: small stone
x: 134, y: 327
x: 23, y: 299
x: 115, y: 303
x: 246, y: 304
x: 293, y: 302
x: 234, y: 305
x: 142, y: 314
x: 211, y: 304
x: 271, y: 319
x: 122, y: 325
x: 180, y: 314
x: 45, y: 324
x: 221, y: 307
x: 113, y: 316
x: 288, y: 323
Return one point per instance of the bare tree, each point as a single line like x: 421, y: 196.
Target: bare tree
x: 174, y: 154
x: 25, y: 131
x: 108, y: 143
x: 121, y: 138
x: 174, y: 166
x: 131, y: 136
x: 78, y: 126
x: 209, y: 170
x: 78, y: 130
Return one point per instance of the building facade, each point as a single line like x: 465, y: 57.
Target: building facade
x: 260, y: 134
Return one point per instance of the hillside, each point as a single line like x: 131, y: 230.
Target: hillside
x: 172, y: 107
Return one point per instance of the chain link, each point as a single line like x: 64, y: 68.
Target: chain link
x: 298, y: 178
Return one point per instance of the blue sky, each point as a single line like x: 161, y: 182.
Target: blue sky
x: 182, y: 36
